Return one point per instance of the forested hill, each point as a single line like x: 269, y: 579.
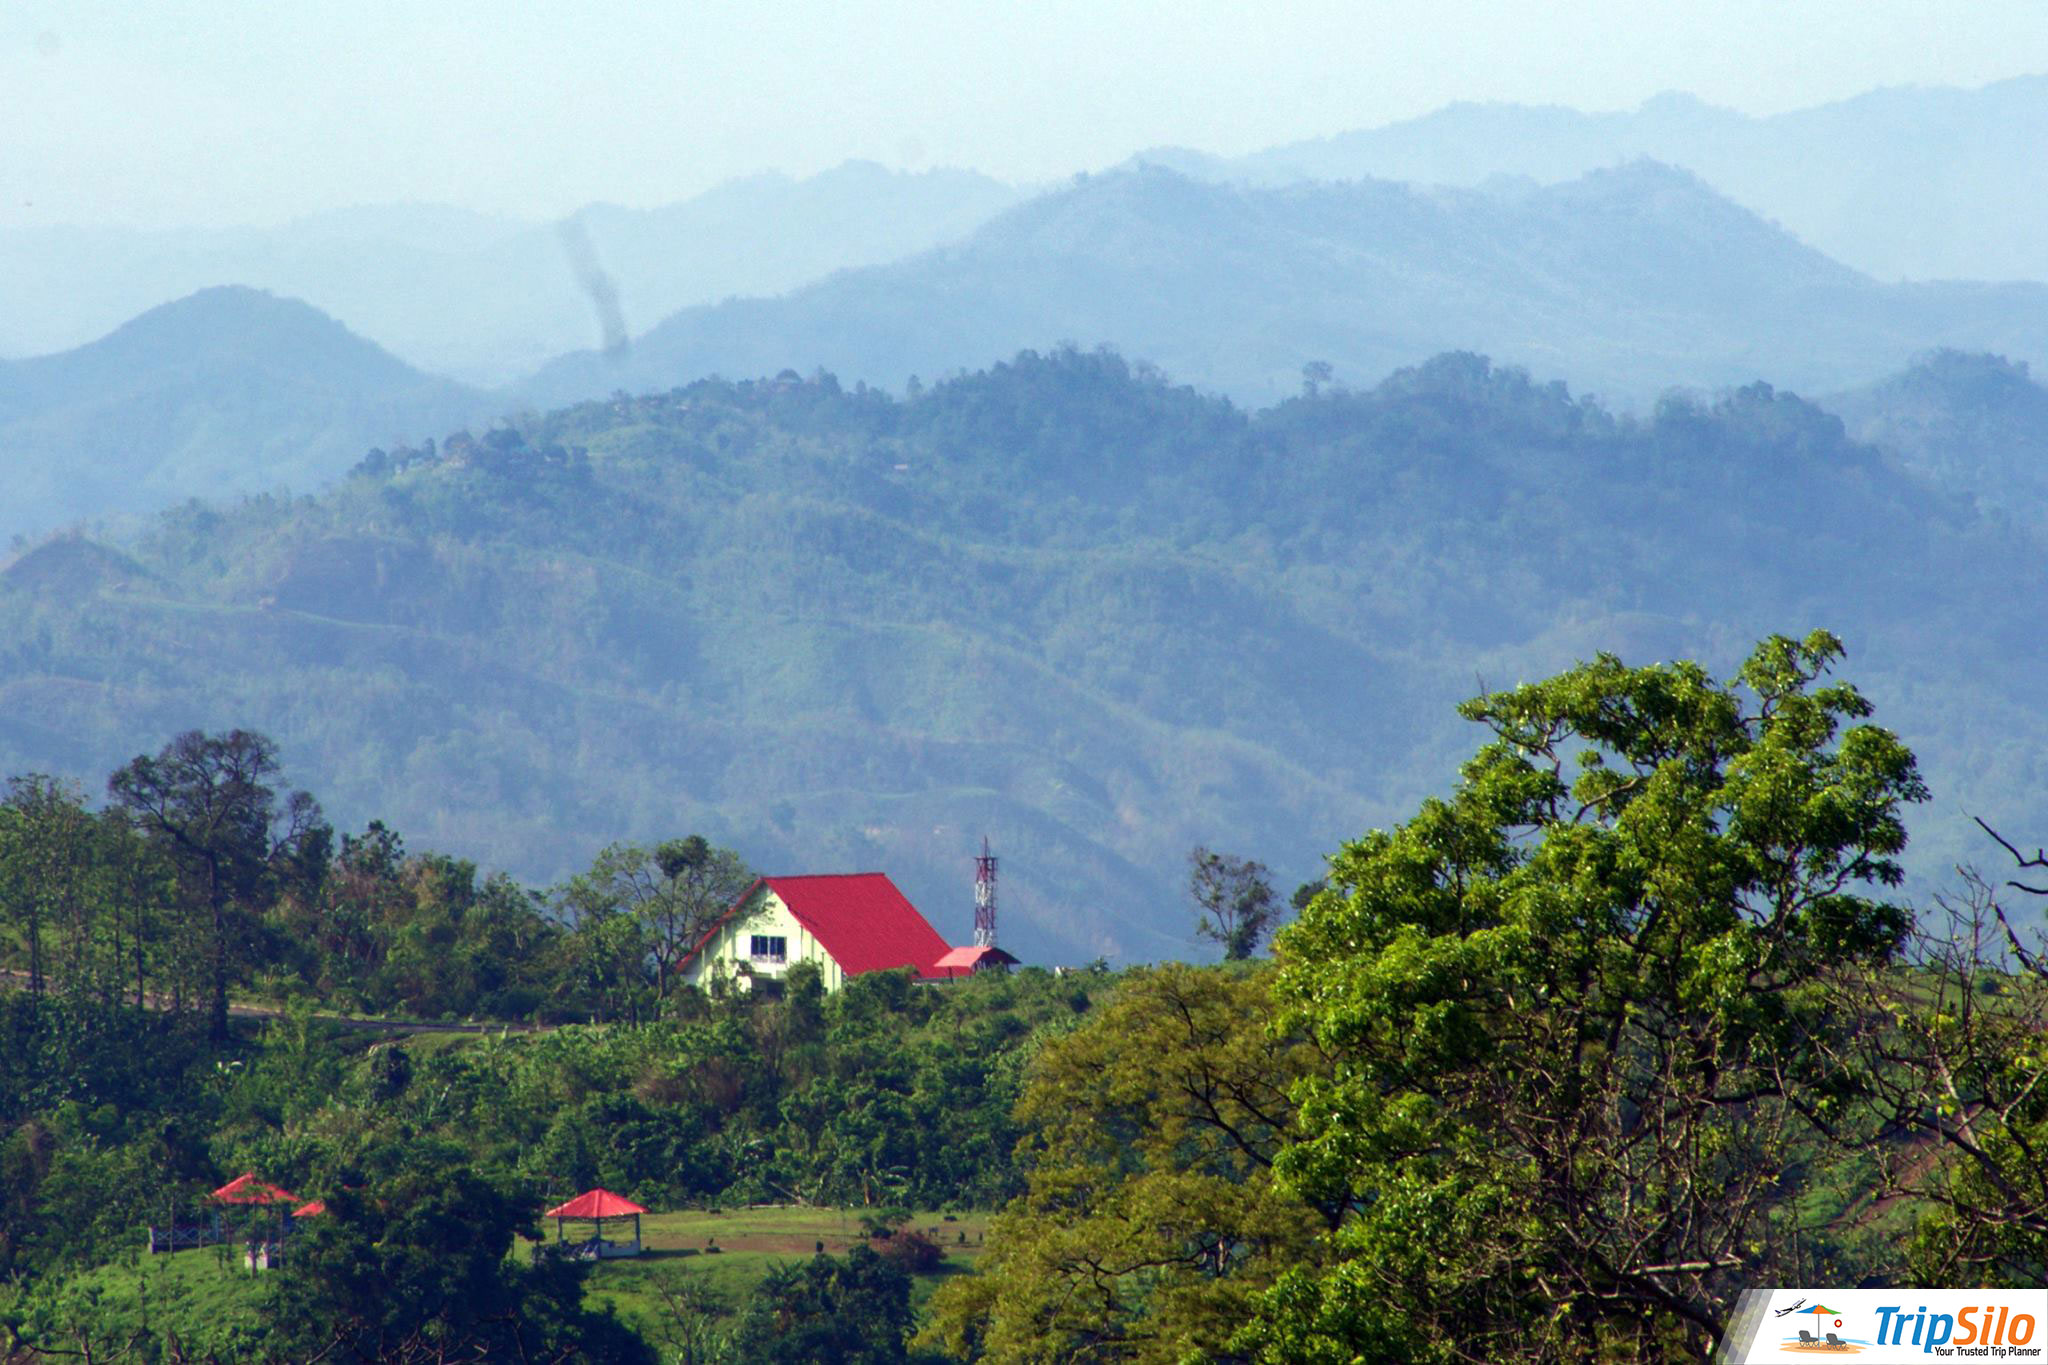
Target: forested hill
x: 229, y: 390
x: 1973, y: 422
x: 1630, y: 280
x: 1063, y: 602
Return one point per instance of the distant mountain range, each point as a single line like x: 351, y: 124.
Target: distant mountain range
x: 1908, y: 184
x: 1095, y: 616
x: 228, y: 391
x: 1634, y: 279
x: 1101, y: 610
x: 486, y: 299
x: 1903, y: 184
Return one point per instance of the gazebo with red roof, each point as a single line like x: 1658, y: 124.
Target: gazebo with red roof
x: 846, y: 924
x: 264, y: 1242
x: 594, y: 1206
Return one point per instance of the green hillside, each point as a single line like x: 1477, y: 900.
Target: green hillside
x: 1977, y: 423
x: 227, y: 391
x: 1063, y: 602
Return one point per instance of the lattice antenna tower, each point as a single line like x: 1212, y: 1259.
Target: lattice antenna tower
x: 985, y: 897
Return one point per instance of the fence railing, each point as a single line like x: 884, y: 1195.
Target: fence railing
x: 175, y: 1236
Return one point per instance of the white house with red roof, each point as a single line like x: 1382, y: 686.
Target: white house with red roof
x: 846, y: 924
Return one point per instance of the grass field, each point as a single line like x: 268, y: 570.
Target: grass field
x: 200, y: 1293
x: 749, y: 1242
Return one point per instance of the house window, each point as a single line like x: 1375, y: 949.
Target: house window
x: 769, y: 948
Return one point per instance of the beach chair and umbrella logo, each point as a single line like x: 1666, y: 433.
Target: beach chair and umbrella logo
x: 1817, y: 1329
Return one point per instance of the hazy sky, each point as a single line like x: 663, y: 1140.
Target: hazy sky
x: 170, y: 112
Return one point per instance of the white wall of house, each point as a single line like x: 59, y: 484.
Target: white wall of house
x: 749, y: 938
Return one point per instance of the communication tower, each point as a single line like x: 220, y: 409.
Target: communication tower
x: 985, y: 897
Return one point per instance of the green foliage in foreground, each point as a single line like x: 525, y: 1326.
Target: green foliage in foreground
x: 1578, y: 1018
x: 413, y: 1264
x: 1551, y: 1071
x: 884, y: 1094
x: 1151, y: 1220
x: 1628, y: 1020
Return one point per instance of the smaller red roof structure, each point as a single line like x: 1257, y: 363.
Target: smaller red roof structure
x: 599, y: 1203
x: 250, y: 1188
x: 970, y: 959
x: 595, y: 1206
x: 310, y: 1210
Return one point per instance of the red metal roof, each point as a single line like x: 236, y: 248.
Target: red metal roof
x: 862, y: 920
x: 598, y: 1203
x: 250, y: 1188
x: 312, y: 1210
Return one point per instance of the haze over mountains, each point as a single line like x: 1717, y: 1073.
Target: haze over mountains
x: 1903, y: 184
x: 485, y: 299
x: 1974, y: 423
x: 228, y: 391
x: 1632, y: 281
x: 1629, y: 278
x: 1898, y: 184
x: 1101, y: 609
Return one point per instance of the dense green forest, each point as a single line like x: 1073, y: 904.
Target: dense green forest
x: 1063, y: 602
x: 187, y: 964
x: 1631, y: 1015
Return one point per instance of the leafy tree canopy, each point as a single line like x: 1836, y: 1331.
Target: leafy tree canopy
x: 413, y: 1264
x: 1574, y: 1017
x: 1151, y: 1221
x: 1234, y: 900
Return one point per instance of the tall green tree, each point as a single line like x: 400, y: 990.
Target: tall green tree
x: 1151, y: 1222
x: 209, y: 803
x: 412, y: 1264
x: 1234, y: 901
x: 141, y: 893
x: 47, y: 857
x: 699, y: 882
x: 1576, y: 1015
x: 365, y: 899
x: 667, y: 897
